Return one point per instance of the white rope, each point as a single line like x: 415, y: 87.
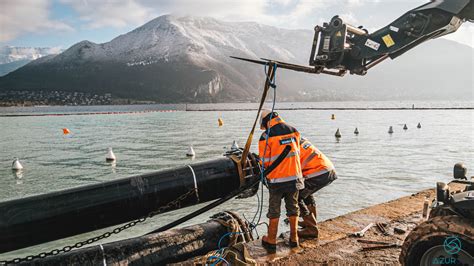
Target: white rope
x: 103, y: 255
x: 195, y: 181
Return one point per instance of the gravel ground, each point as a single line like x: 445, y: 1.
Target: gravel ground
x: 349, y: 250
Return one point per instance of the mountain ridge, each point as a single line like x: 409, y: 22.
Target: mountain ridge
x: 186, y: 59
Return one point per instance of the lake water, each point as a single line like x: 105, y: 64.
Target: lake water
x: 373, y: 167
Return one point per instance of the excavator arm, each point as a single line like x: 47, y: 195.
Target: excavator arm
x: 339, y: 47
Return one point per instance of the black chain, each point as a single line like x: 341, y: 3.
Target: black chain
x: 102, y: 236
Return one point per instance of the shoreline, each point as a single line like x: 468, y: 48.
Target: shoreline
x: 337, y: 246
x: 241, y: 110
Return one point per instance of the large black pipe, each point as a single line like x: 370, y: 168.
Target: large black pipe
x: 154, y: 249
x: 250, y: 185
x: 38, y: 219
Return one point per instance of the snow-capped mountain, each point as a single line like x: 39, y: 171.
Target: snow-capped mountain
x: 12, y: 57
x: 176, y: 59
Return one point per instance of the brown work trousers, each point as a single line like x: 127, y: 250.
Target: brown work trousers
x: 287, y: 191
x: 311, y: 186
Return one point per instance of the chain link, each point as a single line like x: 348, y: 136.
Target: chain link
x: 116, y: 230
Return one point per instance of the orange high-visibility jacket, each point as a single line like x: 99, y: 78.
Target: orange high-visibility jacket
x: 313, y: 161
x: 280, y: 136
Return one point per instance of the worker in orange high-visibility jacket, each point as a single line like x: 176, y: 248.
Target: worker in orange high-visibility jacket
x: 285, y: 180
x: 318, y: 172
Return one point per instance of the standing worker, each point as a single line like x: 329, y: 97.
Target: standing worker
x: 285, y: 180
x: 318, y: 172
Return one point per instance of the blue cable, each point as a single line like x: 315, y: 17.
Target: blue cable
x: 227, y: 234
x: 262, y: 165
x: 273, y: 85
x: 218, y: 259
x: 273, y: 82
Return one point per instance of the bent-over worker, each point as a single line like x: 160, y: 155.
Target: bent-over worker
x: 285, y: 180
x: 318, y: 172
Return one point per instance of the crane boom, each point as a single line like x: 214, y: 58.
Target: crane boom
x: 338, y: 47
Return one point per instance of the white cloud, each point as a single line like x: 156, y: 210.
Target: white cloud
x: 354, y: 2
x: 23, y: 16
x: 282, y: 2
x: 18, y: 17
x: 282, y: 13
x: 115, y: 13
x: 222, y: 9
x: 349, y: 18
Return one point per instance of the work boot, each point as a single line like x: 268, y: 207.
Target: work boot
x: 312, y: 210
x: 301, y: 223
x: 269, y: 242
x: 311, y: 230
x: 293, y: 231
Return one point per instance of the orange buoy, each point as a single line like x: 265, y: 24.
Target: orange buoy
x: 220, y: 122
x: 66, y: 131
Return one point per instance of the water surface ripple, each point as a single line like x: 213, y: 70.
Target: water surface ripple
x: 373, y: 167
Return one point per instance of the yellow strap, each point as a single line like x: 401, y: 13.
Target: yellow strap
x: 269, y: 78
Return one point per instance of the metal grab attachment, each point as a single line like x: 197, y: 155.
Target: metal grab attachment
x: 339, y: 47
x: 247, y: 175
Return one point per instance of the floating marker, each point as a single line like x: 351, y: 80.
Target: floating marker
x: 235, y: 146
x: 390, y: 130
x: 333, y: 117
x: 419, y: 125
x: 66, y: 131
x: 220, y: 122
x: 190, y: 152
x: 16, y: 165
x: 356, y: 131
x: 18, y: 175
x: 110, y: 156
x: 405, y: 127
x: 338, y: 134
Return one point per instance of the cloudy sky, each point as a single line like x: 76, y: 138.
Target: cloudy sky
x: 61, y: 23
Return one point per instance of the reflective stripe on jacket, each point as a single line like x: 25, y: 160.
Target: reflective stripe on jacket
x: 281, y: 135
x: 313, y: 161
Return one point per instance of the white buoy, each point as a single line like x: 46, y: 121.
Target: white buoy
x: 18, y: 174
x: 390, y: 130
x: 419, y: 125
x: 190, y: 152
x: 405, y: 127
x: 235, y: 146
x: 110, y: 156
x: 338, y: 133
x: 16, y: 165
x: 356, y: 131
